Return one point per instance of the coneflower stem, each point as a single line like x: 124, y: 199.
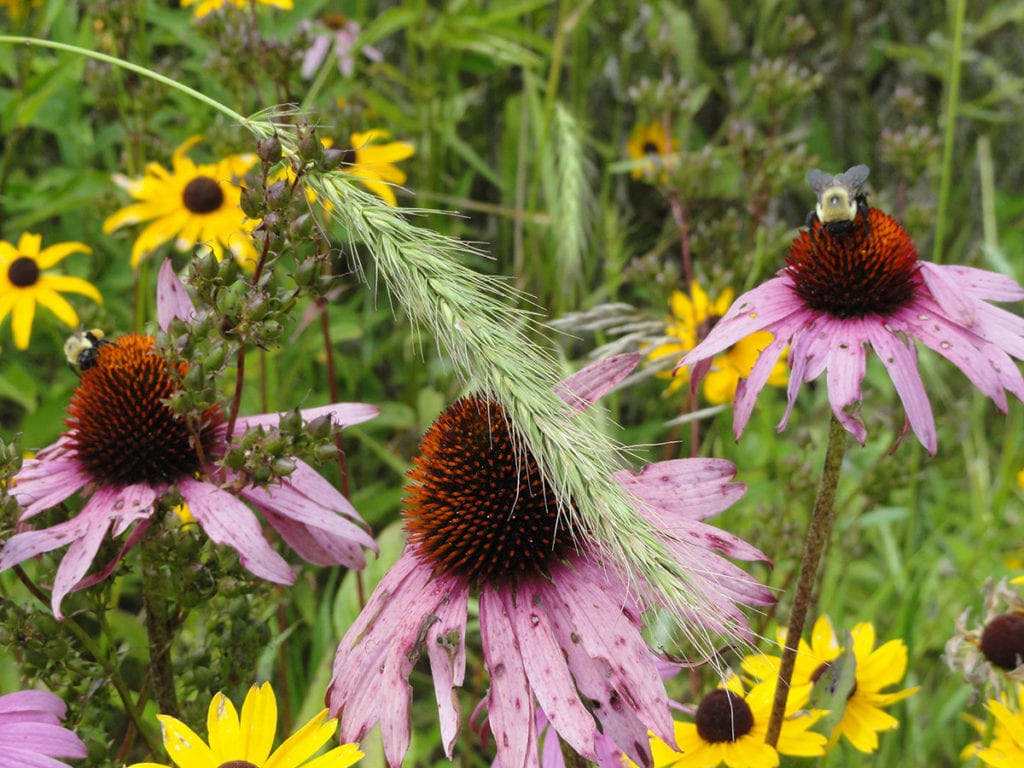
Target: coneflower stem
x: 818, y: 533
x: 158, y: 629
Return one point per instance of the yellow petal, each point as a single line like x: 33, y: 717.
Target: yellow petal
x: 258, y: 725
x: 302, y: 744
x: 57, y: 252
x: 226, y: 742
x: 57, y: 304
x: 186, y: 749
x: 21, y: 321
x: 28, y: 244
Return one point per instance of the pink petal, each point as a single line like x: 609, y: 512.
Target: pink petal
x: 979, y: 283
x: 547, y: 672
x: 40, y: 739
x: 314, y: 545
x: 314, y: 486
x: 446, y: 648
x: 227, y: 521
x: 375, y: 658
x: 43, y: 483
x: 40, y: 706
x: 589, y: 384
x: 509, y: 701
x: 693, y: 488
x: 287, y: 501
x: 900, y: 360
x: 755, y: 310
x: 989, y: 368
x: 172, y: 298
x: 608, y: 633
x: 957, y: 304
x: 1002, y: 328
x: 749, y: 388
x: 342, y: 414
x: 846, y: 364
x: 617, y: 719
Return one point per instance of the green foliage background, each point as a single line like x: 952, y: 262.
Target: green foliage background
x: 520, y: 113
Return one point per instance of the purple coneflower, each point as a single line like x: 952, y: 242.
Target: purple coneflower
x: 125, y: 449
x: 559, y: 627
x: 30, y: 731
x: 865, y: 286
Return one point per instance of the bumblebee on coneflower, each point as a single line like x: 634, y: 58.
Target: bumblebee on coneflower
x: 864, y: 286
x: 125, y: 449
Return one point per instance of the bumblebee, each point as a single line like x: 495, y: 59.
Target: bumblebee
x: 840, y: 199
x: 82, y: 349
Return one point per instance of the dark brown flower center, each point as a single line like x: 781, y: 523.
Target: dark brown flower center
x: 238, y: 764
x: 650, y: 148
x: 1002, y: 641
x: 478, y: 505
x: 203, y: 195
x: 723, y: 716
x: 23, y: 272
x: 120, y: 428
x: 349, y: 156
x: 849, y: 270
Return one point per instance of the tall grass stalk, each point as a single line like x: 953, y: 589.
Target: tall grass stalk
x: 949, y: 126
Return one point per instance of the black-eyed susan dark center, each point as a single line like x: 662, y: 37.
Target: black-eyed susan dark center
x: 202, y: 195
x: 1002, y: 641
x: 23, y: 272
x: 478, y: 505
x: 651, y: 148
x: 723, y: 716
x: 856, y: 270
x: 120, y: 428
x: 238, y: 764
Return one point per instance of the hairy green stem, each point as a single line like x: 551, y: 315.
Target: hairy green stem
x: 159, y: 631
x: 815, y: 544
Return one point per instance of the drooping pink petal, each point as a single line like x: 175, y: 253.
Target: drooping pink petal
x: 172, y: 298
x: 229, y: 522
x: 989, y: 368
x: 374, y: 659
x: 1001, y: 328
x: 32, y: 705
x: 509, y: 701
x: 286, y: 500
x: 755, y: 310
x: 846, y: 367
x: 607, y: 632
x: 546, y: 671
x: 583, y: 388
x: 616, y: 717
x: 747, y: 389
x: 314, y: 545
x: 900, y: 360
x: 446, y: 649
x: 43, y: 483
x: 314, y: 486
